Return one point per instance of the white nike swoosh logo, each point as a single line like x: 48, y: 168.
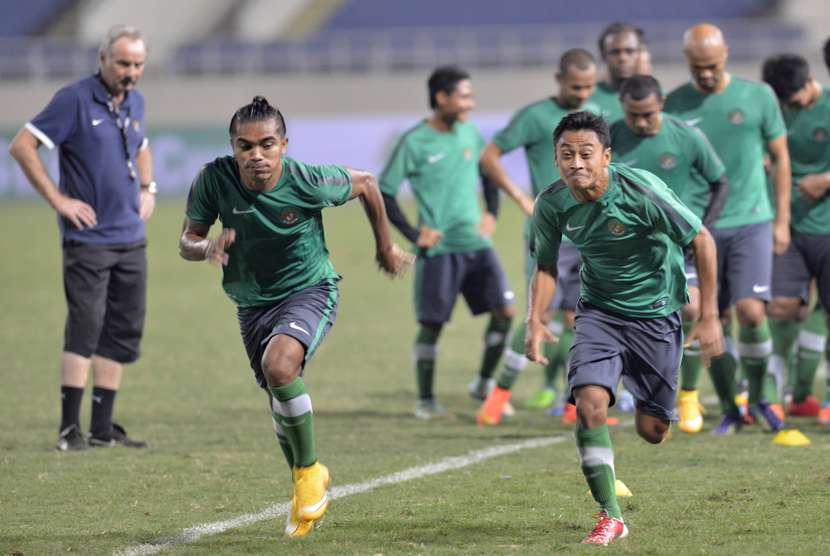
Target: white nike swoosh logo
x: 694, y: 121
x: 315, y: 507
x: 759, y: 289
x: 573, y: 228
x: 97, y: 399
x: 237, y: 211
x: 96, y: 122
x: 293, y: 325
x: 432, y: 159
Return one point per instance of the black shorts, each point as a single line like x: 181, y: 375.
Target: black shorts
x: 306, y: 315
x: 807, y: 257
x: 106, y: 298
x: 744, y: 256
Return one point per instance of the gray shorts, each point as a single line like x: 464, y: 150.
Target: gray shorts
x: 807, y: 257
x: 306, y: 315
x: 568, y: 284
x: 744, y: 263
x: 645, y: 353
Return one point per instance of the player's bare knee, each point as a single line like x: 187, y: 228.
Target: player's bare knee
x: 570, y: 317
x: 591, y: 408
x: 505, y: 313
x: 751, y: 312
x: 652, y: 431
x: 282, y: 360
x: 785, y: 308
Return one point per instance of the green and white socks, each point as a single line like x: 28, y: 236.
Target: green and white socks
x: 754, y: 348
x: 424, y: 353
x: 596, y: 456
x: 293, y: 422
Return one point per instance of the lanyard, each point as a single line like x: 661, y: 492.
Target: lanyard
x: 123, y: 125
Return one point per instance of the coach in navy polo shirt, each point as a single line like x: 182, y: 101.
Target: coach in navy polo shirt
x: 106, y: 192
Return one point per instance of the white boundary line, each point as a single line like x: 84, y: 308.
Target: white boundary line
x: 192, y: 534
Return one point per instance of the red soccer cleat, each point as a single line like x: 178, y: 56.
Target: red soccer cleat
x: 606, y: 531
x: 810, y: 407
x: 569, y: 415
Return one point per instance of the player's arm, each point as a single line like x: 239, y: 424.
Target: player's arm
x: 398, y: 218
x: 147, y: 199
x: 389, y: 256
x: 195, y: 245
x: 718, y: 190
x: 542, y: 290
x: 782, y: 182
x: 491, y: 204
x: 492, y: 166
x: 23, y: 149
x: 814, y: 186
x: 707, y: 330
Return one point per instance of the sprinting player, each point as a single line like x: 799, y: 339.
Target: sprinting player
x: 621, y: 46
x: 742, y: 120
x: 440, y: 159
x: 676, y: 153
x: 277, y: 270
x: 631, y: 230
x: 532, y: 128
x: 806, y: 110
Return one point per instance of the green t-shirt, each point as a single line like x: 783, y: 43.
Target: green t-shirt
x: 631, y: 241
x: 678, y: 154
x: 608, y: 101
x: 442, y: 169
x: 280, y: 247
x: 808, y: 138
x: 739, y: 122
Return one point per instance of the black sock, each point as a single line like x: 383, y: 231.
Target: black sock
x: 102, y: 401
x: 71, y: 406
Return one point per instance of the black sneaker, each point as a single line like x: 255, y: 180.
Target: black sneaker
x: 117, y: 435
x: 71, y: 439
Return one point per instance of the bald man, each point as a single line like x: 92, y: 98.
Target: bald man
x: 623, y: 49
x: 532, y: 128
x: 742, y: 120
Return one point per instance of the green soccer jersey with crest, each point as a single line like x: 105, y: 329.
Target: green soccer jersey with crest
x: 280, y: 247
x: 442, y: 170
x: 631, y: 240
x: 608, y: 101
x: 739, y: 122
x: 678, y: 154
x: 808, y: 138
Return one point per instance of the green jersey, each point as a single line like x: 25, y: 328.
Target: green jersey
x: 630, y: 239
x: 608, y: 101
x: 808, y: 138
x: 739, y: 121
x: 678, y: 154
x: 442, y: 169
x: 280, y: 247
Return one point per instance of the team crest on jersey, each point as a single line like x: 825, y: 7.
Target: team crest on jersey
x: 616, y: 227
x: 736, y: 117
x: 468, y: 153
x: 289, y: 216
x: 668, y: 161
x: 820, y: 135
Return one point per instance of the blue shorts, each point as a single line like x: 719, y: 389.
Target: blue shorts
x: 744, y: 263
x: 645, y: 353
x: 477, y: 275
x: 306, y: 315
x: 807, y: 257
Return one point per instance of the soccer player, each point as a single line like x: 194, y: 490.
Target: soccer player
x: 742, y: 120
x: 440, y: 158
x: 631, y: 230
x: 532, y: 128
x: 621, y: 46
x: 676, y: 153
x: 806, y: 110
x: 277, y: 270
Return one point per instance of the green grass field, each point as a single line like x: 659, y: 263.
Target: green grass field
x: 213, y: 456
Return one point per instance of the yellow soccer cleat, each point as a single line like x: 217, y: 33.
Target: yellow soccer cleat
x: 791, y: 437
x: 294, y: 526
x: 688, y: 405
x: 621, y: 490
x: 311, y: 495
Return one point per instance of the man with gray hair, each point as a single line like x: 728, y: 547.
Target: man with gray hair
x: 105, y: 194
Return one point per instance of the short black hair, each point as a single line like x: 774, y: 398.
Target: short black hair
x: 583, y: 120
x: 826, y: 51
x: 444, y: 79
x: 786, y: 74
x: 258, y: 110
x: 639, y: 87
x: 619, y: 27
x: 575, y: 57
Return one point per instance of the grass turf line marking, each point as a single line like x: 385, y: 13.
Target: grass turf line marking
x: 192, y: 534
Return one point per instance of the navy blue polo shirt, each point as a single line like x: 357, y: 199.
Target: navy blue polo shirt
x: 92, y: 161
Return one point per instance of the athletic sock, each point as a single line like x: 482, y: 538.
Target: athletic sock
x: 690, y: 366
x: 755, y: 347
x: 596, y: 456
x: 285, y: 445
x: 810, y: 347
x: 494, y: 339
x: 514, y: 359
x: 71, y: 406
x: 562, y: 350
x: 425, y: 352
x: 722, y: 372
x: 103, y: 400
x: 783, y: 333
x: 291, y: 407
x: 553, y: 352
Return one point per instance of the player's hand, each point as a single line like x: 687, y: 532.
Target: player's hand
x: 780, y: 237
x: 537, y: 333
x: 146, y: 205
x: 526, y: 204
x: 78, y: 212
x: 813, y: 187
x: 427, y: 237
x: 709, y: 333
x: 487, y: 226
x: 216, y: 252
x: 394, y: 261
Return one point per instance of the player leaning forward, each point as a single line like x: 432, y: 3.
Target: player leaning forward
x: 277, y: 271
x: 630, y: 230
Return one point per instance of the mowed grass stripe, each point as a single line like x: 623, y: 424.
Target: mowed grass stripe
x: 192, y: 534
